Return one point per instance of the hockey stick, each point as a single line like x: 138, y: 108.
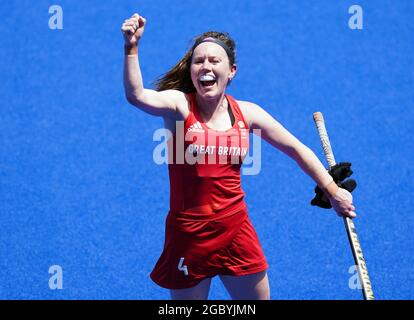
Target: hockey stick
x: 349, y: 224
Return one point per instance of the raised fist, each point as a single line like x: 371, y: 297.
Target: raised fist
x: 133, y: 28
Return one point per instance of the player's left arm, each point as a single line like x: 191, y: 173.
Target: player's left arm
x: 274, y: 133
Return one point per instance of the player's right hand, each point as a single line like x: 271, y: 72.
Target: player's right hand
x: 133, y: 28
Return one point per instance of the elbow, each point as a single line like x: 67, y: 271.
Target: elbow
x: 133, y: 99
x: 130, y: 98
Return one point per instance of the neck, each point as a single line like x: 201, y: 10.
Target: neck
x: 211, y: 106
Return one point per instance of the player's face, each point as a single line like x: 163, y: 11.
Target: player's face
x: 210, y: 70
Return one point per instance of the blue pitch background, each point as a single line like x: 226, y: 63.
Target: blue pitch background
x: 79, y: 188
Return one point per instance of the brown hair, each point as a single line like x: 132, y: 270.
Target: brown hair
x: 179, y: 77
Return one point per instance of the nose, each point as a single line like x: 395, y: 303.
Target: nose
x: 206, y: 65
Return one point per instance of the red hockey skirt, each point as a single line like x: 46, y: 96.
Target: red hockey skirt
x: 204, y: 245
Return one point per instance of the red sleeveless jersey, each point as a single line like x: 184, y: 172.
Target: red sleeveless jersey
x: 207, y: 231
x: 205, y: 171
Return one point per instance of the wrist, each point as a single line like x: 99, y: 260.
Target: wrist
x: 131, y: 49
x: 330, y: 189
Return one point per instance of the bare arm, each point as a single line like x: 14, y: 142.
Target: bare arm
x: 162, y: 103
x: 274, y: 133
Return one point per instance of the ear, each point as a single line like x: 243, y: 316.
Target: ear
x: 233, y: 71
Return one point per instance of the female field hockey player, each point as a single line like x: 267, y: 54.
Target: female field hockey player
x: 208, y: 231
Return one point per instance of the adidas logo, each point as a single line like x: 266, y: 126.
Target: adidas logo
x: 195, y: 127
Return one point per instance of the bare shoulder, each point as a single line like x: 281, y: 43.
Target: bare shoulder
x: 183, y: 107
x: 256, y: 116
x: 181, y: 102
x: 247, y: 105
x: 176, y: 96
x: 248, y: 109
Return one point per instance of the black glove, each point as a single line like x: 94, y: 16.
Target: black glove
x: 339, y: 173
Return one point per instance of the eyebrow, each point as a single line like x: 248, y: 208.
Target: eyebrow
x: 210, y: 57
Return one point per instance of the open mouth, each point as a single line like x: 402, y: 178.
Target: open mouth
x: 207, y: 80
